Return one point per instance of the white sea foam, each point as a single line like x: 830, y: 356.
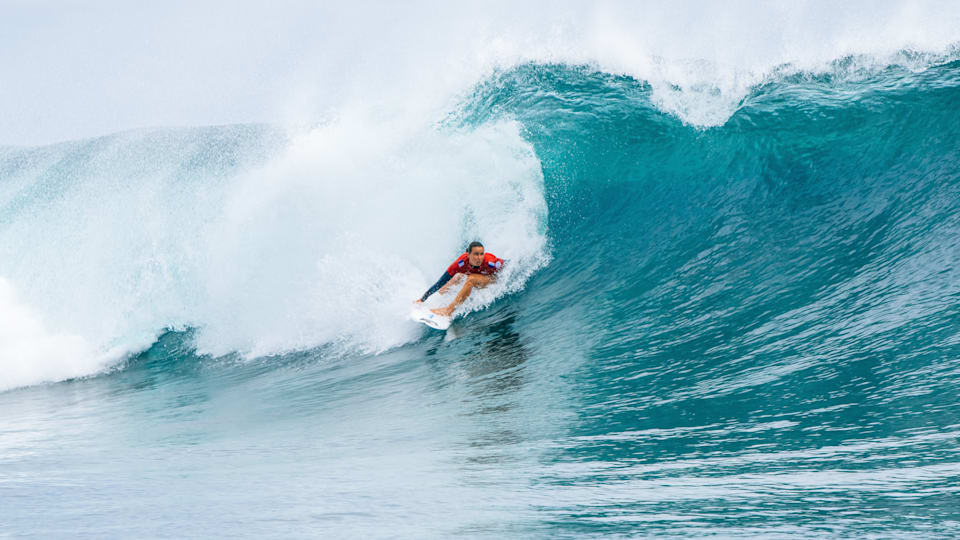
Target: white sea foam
x: 333, y: 241
x: 329, y: 242
x: 31, y: 353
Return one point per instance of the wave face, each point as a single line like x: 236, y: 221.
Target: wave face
x: 741, y: 329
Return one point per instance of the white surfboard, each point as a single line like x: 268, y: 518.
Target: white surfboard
x: 423, y: 315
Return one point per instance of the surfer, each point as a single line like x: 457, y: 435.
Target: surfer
x: 479, y: 269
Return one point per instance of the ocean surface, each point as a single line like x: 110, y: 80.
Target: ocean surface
x: 737, y: 323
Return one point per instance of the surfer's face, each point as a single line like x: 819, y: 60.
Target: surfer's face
x: 475, y: 256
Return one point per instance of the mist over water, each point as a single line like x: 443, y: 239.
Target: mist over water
x: 729, y: 309
x: 96, y: 69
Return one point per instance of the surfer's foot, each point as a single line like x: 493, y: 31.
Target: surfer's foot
x: 444, y: 311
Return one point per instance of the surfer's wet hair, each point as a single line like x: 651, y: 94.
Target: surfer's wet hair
x: 473, y: 245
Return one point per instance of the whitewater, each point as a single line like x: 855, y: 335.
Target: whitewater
x: 730, y: 308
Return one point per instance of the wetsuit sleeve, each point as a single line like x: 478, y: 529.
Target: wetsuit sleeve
x: 436, y: 286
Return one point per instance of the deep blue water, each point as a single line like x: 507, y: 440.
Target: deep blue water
x: 743, y: 330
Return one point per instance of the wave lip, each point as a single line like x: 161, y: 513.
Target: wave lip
x: 699, y: 58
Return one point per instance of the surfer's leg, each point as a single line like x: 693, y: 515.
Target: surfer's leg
x: 480, y: 281
x: 473, y: 280
x: 454, y: 281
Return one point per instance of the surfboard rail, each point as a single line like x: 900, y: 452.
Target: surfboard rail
x: 422, y: 314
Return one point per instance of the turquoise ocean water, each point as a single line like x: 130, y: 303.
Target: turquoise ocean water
x: 749, y: 329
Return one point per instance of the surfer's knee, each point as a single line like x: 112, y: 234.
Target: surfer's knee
x: 480, y: 280
x: 467, y: 287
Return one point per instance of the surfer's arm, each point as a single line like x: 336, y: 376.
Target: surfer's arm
x: 436, y: 286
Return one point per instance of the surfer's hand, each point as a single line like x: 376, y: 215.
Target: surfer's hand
x: 418, y: 301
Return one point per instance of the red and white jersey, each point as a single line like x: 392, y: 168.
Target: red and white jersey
x: 490, y: 265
